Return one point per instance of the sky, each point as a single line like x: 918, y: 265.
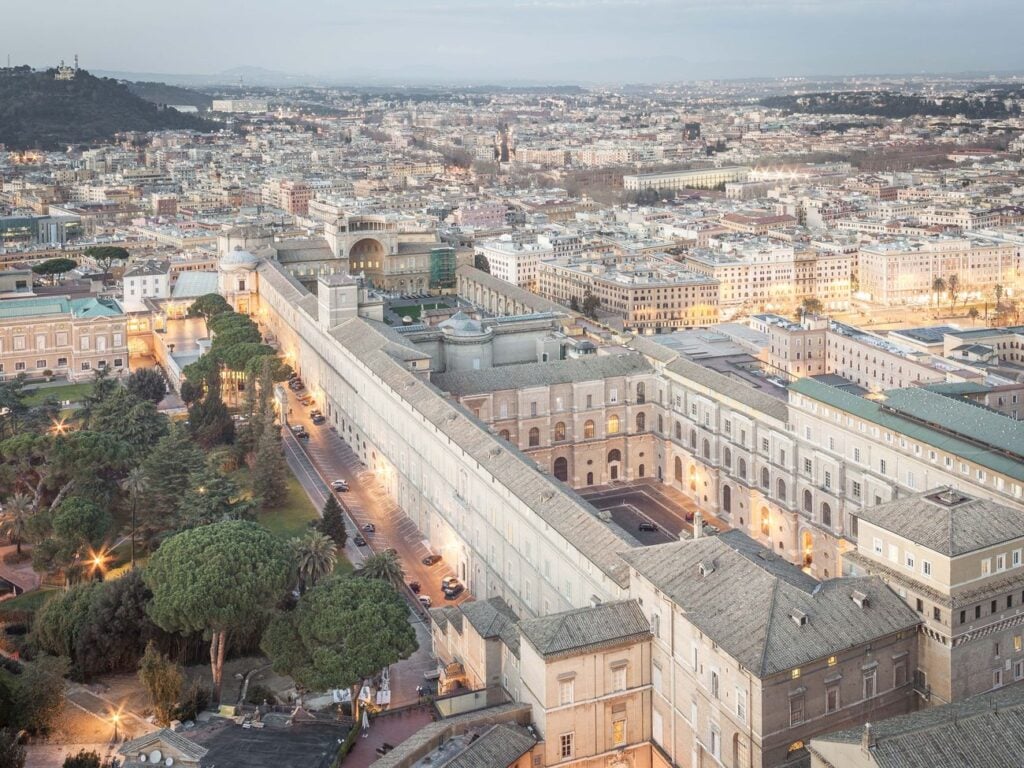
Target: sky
x: 498, y: 41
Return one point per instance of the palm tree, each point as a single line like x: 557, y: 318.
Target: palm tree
x: 135, y: 483
x: 384, y: 566
x: 14, y: 522
x: 315, y: 557
x: 938, y: 286
x: 953, y: 286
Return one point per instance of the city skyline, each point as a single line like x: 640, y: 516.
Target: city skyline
x: 550, y: 41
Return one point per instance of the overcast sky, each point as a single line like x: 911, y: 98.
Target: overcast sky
x: 508, y: 40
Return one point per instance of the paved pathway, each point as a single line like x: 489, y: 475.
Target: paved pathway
x: 326, y: 457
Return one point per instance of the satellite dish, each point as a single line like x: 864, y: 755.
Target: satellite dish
x: 169, y: 761
x: 142, y: 757
x: 154, y: 756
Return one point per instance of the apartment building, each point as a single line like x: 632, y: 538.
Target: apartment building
x: 956, y: 559
x: 903, y: 271
x: 149, y: 279
x: 703, y: 178
x: 751, y: 658
x: 760, y: 276
x: 59, y: 336
x: 515, y: 262
x: 647, y: 294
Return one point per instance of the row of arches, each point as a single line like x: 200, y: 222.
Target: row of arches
x: 613, y: 426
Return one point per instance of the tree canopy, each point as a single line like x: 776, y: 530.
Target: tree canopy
x: 341, y: 632
x: 216, y: 579
x: 54, y: 267
x: 106, y: 255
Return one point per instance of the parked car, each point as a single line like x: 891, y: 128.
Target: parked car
x: 645, y: 526
x: 359, y: 541
x: 448, y: 581
x: 431, y: 559
x: 339, y: 485
x: 369, y: 528
x: 319, y: 419
x: 414, y: 586
x: 454, y: 591
x: 424, y: 600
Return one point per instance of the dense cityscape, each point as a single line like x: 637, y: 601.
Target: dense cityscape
x: 632, y: 426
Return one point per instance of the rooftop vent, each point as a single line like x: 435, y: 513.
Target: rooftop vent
x: 860, y: 599
x: 704, y: 567
x: 799, y: 617
x: 949, y: 497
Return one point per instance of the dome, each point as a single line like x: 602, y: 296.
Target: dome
x: 238, y: 260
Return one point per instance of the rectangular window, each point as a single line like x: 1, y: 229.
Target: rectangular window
x: 566, y: 748
x: 877, y: 544
x: 831, y: 699
x: 856, y: 489
x: 881, y: 466
x: 986, y: 566
x: 619, y: 733
x: 808, y: 467
x: 997, y: 678
x: 796, y: 710
x: 566, y: 690
x: 619, y: 678
x: 926, y: 568
x: 870, y: 678
x: 908, y: 560
x: 828, y: 479
x: 894, y: 553
x: 741, y: 704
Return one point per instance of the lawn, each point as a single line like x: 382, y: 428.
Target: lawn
x: 73, y: 392
x: 28, y: 601
x: 414, y: 310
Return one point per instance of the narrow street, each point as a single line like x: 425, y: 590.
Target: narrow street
x: 325, y: 457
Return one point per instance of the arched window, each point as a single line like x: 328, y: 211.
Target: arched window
x: 534, y: 437
x: 613, y: 424
x: 707, y: 449
x: 781, y: 488
x: 614, y: 455
x: 590, y: 478
x: 808, y: 502
x: 679, y: 470
x: 826, y: 514
x: 766, y: 522
x: 559, y: 431
x: 640, y: 471
x: 504, y: 435
x: 693, y: 439
x: 588, y: 430
x: 641, y: 396
x: 766, y: 480
x: 727, y: 458
x: 741, y: 469
x: 727, y: 498
x: 679, y: 431
x: 561, y: 469
x: 641, y: 422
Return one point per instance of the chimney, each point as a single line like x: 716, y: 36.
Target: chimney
x: 867, y: 741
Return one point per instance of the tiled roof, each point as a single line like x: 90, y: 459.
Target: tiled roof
x: 949, y: 529
x: 499, y: 747
x: 583, y: 629
x: 747, y: 609
x: 984, y: 731
x: 493, y: 618
x: 524, y: 375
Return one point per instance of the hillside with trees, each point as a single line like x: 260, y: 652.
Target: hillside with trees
x: 163, y: 94
x: 977, y: 106
x: 38, y: 111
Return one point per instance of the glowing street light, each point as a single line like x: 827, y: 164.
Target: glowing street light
x: 115, y: 719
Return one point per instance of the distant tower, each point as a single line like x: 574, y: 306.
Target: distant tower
x: 76, y: 62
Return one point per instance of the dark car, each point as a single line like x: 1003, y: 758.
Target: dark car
x: 453, y: 591
x: 414, y: 586
x: 431, y: 559
x: 319, y: 419
x: 369, y: 528
x: 359, y: 541
x: 645, y: 526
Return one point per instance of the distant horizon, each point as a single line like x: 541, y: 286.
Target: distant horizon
x: 527, y: 41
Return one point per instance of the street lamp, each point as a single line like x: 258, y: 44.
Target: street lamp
x: 115, y: 718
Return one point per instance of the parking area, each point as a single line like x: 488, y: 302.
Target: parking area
x: 636, y: 506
